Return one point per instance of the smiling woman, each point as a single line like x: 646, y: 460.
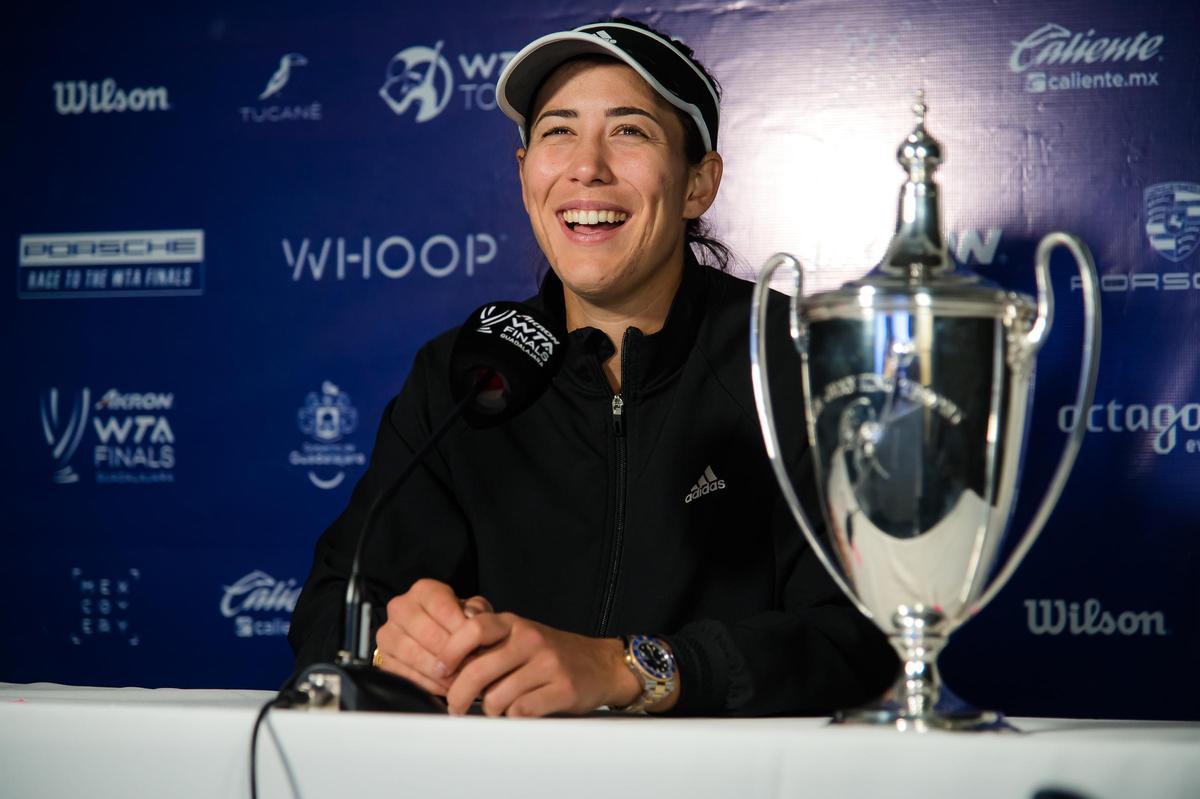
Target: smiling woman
x: 622, y: 542
x: 604, y: 142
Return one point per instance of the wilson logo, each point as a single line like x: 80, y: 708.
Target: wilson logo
x: 84, y: 97
x: 1059, y: 617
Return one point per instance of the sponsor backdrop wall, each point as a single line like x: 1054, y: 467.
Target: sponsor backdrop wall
x: 229, y: 231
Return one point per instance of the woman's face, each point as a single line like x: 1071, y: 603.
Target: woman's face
x: 606, y: 184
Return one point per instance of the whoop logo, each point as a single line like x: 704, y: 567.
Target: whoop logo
x: 394, y: 257
x: 1056, y: 617
x: 64, y: 436
x: 413, y: 76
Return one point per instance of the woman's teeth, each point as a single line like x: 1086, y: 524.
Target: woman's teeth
x: 576, y: 217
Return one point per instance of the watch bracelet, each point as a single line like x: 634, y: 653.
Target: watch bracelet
x: 652, y: 693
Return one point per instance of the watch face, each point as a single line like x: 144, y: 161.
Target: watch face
x: 654, y: 658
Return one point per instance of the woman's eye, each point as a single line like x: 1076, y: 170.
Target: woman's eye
x: 555, y: 131
x: 631, y: 130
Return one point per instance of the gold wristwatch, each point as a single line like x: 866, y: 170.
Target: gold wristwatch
x: 651, y: 661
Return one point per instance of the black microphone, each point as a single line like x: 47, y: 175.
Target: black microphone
x: 503, y: 358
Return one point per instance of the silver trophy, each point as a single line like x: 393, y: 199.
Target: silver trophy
x: 917, y: 385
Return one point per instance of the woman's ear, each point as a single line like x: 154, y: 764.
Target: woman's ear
x: 704, y: 179
x: 521, y: 173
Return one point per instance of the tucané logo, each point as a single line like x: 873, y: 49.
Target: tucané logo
x: 276, y: 112
x: 1059, y: 617
x: 83, y: 97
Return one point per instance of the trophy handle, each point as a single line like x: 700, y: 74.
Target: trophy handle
x: 762, y: 402
x: 1089, y: 365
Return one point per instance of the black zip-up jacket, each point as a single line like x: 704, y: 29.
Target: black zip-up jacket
x: 654, y: 512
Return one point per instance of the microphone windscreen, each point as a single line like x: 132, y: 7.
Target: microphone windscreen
x: 514, y: 351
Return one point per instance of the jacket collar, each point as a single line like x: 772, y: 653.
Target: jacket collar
x: 649, y: 360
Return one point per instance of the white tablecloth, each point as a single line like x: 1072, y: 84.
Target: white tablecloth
x: 60, y: 741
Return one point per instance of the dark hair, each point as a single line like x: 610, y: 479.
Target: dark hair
x: 698, y: 233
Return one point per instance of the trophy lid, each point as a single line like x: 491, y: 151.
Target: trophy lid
x: 917, y: 270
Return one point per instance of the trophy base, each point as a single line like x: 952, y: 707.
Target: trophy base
x: 887, y: 713
x: 919, y: 701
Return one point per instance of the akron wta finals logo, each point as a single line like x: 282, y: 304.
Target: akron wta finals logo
x: 412, y: 77
x: 1173, y: 219
x: 63, y: 433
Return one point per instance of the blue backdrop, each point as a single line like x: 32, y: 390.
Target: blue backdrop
x: 230, y: 231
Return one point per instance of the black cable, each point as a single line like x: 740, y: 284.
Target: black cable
x: 285, y: 699
x: 354, y: 636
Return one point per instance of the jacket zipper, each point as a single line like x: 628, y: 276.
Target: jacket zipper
x: 618, y: 417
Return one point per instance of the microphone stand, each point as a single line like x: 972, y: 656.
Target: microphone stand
x: 352, y: 682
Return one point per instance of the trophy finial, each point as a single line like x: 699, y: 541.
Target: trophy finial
x: 918, y: 247
x: 920, y: 154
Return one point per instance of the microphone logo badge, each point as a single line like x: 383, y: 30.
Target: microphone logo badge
x: 489, y: 318
x: 1173, y: 219
x: 63, y: 433
x: 412, y: 77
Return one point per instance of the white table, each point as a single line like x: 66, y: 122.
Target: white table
x: 60, y: 741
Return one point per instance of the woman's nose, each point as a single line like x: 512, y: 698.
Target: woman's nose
x: 590, y: 163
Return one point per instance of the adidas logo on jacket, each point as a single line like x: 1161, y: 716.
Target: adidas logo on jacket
x: 707, y: 484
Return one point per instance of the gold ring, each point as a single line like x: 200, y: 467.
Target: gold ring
x: 377, y: 658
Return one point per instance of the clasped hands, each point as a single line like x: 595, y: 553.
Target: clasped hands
x: 462, y: 650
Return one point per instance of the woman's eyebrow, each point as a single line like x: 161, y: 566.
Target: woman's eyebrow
x: 568, y: 113
x: 629, y: 110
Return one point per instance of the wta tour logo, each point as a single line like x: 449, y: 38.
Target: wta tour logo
x: 1173, y: 219
x: 425, y: 78
x: 418, y: 75
x: 327, y: 417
